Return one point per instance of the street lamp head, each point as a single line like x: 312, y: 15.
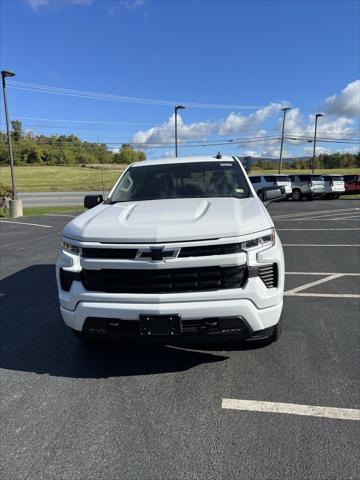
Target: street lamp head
x: 179, y: 107
x: 285, y: 109
x: 7, y: 73
x: 319, y: 115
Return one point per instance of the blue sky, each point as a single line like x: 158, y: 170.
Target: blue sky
x: 262, y: 54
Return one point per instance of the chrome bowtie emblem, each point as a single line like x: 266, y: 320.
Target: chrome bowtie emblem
x: 157, y: 253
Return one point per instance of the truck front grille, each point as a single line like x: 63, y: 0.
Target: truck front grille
x: 184, y: 252
x: 113, y: 253
x: 164, y: 280
x: 207, y: 250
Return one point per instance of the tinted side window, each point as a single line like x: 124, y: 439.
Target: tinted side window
x: 269, y: 179
x: 327, y: 179
x: 350, y: 178
x: 292, y: 178
x: 255, y: 179
x: 304, y: 178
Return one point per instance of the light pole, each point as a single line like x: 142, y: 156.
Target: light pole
x: 178, y: 107
x: 285, y: 110
x: 314, y: 146
x: 15, y: 204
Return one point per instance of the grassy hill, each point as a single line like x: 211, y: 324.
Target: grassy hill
x: 67, y: 179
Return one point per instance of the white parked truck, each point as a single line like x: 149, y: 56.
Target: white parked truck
x: 181, y: 247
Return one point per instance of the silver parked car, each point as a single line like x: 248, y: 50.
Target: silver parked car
x: 262, y: 181
x: 307, y: 186
x: 334, y: 186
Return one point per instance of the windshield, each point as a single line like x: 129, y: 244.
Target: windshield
x: 181, y: 180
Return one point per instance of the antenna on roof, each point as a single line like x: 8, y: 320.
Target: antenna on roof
x: 218, y: 156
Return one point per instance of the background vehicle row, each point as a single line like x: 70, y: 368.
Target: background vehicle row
x: 309, y: 186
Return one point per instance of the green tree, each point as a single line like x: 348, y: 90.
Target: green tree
x: 127, y: 154
x: 17, y: 130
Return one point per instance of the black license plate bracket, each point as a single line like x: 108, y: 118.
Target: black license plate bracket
x: 160, y: 324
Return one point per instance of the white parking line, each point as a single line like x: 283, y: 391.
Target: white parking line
x: 323, y: 273
x: 26, y: 223
x: 343, y: 219
x: 346, y: 216
x: 291, y: 409
x: 318, y: 245
x: 316, y: 282
x: 320, y: 212
x: 313, y: 229
x: 324, y: 295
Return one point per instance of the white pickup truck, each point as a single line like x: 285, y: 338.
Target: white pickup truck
x: 181, y: 247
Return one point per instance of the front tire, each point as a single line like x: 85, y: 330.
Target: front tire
x: 277, y: 331
x: 86, y: 339
x: 296, y: 195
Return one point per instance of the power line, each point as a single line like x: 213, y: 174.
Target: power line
x: 83, y: 121
x: 33, y: 87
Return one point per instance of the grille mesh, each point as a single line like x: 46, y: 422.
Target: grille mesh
x: 164, y: 280
x: 269, y: 275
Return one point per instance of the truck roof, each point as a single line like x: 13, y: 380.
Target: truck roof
x: 164, y: 161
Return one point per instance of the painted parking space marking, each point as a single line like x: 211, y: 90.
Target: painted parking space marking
x: 318, y: 212
x: 291, y: 409
x: 315, y: 282
x: 314, y: 229
x: 26, y: 223
x: 350, y: 219
x: 330, y: 217
x: 320, y: 245
x: 328, y: 277
x: 322, y: 295
x: 323, y: 273
x: 348, y: 216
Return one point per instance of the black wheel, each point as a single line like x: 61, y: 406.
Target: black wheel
x: 296, y: 195
x: 336, y: 195
x: 277, y: 331
x: 86, y: 339
x: 310, y: 198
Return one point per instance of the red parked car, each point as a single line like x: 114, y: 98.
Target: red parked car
x: 352, y: 183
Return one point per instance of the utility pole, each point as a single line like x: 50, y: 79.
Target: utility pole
x: 314, y: 146
x: 178, y: 107
x: 285, y: 110
x: 15, y: 203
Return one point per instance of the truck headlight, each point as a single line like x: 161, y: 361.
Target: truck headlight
x: 68, y: 247
x: 267, y: 240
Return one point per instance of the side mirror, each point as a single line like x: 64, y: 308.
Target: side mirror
x: 91, y: 201
x: 270, y: 194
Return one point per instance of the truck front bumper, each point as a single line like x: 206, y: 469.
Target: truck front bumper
x: 112, y: 317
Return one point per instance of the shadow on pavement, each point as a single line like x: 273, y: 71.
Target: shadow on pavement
x: 35, y: 339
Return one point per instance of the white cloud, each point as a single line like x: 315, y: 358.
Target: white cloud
x: 264, y: 122
x: 250, y: 153
x: 118, y: 5
x: 168, y: 154
x: 346, y: 103
x: 37, y: 4
x: 133, y: 4
x: 309, y: 150
x: 164, y: 133
x: 235, y: 123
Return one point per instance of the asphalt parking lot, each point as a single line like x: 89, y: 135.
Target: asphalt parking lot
x: 161, y: 412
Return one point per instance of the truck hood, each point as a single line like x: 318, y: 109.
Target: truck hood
x: 170, y: 220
